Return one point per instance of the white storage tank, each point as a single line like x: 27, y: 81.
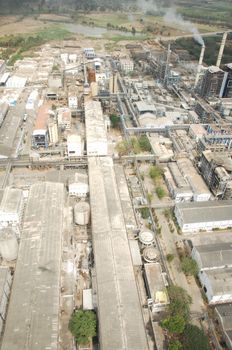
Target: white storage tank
x: 8, y: 245
x: 81, y: 213
x: 147, y: 237
x: 151, y: 254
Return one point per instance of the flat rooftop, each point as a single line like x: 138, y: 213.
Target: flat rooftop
x: 209, y: 211
x: 220, y: 280
x: 94, y: 121
x: 11, y: 200
x: 33, y: 315
x: 121, y: 324
x: 215, y: 255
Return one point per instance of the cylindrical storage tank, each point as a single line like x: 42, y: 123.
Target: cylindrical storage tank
x: 151, y: 254
x: 8, y: 245
x: 81, y: 213
x: 147, y: 237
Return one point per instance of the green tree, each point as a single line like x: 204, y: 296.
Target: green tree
x: 155, y: 172
x: 179, y: 302
x: 169, y: 257
x: 160, y: 192
x: 123, y: 147
x: 144, y: 143
x: 175, y: 345
x: 189, y: 266
x: 82, y: 325
x: 174, y: 324
x: 145, y: 213
x: 194, y: 338
x: 115, y: 120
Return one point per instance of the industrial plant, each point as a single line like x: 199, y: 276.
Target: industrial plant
x: 114, y: 169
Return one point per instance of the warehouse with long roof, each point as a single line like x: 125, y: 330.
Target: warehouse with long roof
x: 121, y: 324
x: 32, y: 321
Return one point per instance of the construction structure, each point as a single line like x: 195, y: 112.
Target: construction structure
x: 40, y: 136
x: 33, y: 315
x: 121, y: 324
x: 226, y: 91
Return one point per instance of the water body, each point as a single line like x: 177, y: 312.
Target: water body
x: 92, y: 31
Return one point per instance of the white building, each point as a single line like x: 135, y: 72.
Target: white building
x: 96, y: 133
x: 217, y: 285
x: 89, y: 52
x: 11, y: 207
x: 79, y: 186
x: 74, y: 146
x: 126, y: 65
x: 72, y: 100
x: 209, y: 215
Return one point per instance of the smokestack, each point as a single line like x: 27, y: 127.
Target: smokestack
x: 199, y: 65
x: 221, y: 49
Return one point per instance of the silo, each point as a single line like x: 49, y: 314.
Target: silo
x: 8, y: 245
x: 81, y: 213
x: 147, y: 237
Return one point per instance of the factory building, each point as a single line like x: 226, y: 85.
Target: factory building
x: 212, y: 82
x: 156, y: 287
x: 64, y: 118
x: 216, y: 168
x: 206, y: 216
x: 197, y: 184
x: 11, y: 207
x: 89, y: 53
x: 212, y: 256
x: 224, y: 316
x: 96, y: 133
x: 78, y: 187
x: 53, y: 132
x: 126, y: 65
x: 177, y: 184
x: 72, y: 100
x: 74, y: 145
x: 227, y: 81
x: 34, y: 309
x: 121, y: 324
x: 32, y: 100
x: 217, y: 285
x: 5, y: 287
x: 40, y: 136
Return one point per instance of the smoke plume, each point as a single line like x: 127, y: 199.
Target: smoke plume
x: 147, y: 5
x: 172, y: 17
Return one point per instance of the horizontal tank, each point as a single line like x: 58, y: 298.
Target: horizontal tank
x: 147, y: 237
x: 151, y: 254
x: 8, y: 245
x: 81, y: 213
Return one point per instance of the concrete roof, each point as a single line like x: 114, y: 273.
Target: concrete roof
x: 4, y: 271
x: 135, y: 252
x: 33, y: 314
x: 225, y: 313
x: 220, y: 280
x: 215, y: 255
x: 11, y: 200
x: 156, y: 283
x: 121, y: 324
x: 94, y: 122
x: 144, y: 107
x: 209, y: 211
